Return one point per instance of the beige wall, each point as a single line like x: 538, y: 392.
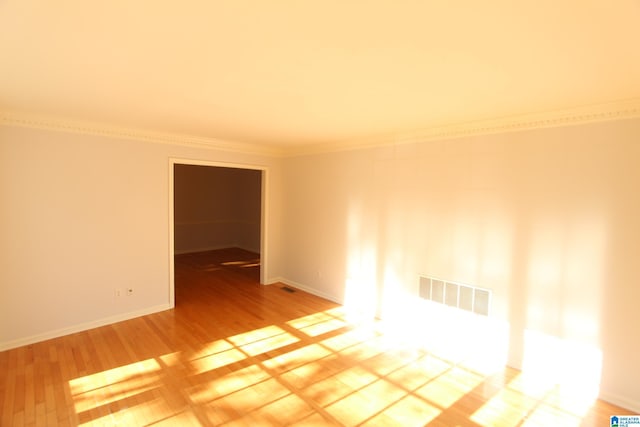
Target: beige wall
x: 216, y: 207
x: 83, y: 215
x: 547, y: 219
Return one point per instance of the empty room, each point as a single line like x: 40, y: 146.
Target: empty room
x: 319, y: 213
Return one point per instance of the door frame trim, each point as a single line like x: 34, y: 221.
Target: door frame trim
x: 264, y: 258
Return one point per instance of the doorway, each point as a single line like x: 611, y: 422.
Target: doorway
x: 215, y: 206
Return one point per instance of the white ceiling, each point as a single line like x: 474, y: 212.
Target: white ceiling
x: 291, y: 72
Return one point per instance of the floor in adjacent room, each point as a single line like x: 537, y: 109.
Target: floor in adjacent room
x: 234, y: 352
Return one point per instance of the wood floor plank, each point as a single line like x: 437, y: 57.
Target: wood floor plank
x: 234, y: 352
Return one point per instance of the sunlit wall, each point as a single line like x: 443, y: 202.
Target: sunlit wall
x: 547, y: 219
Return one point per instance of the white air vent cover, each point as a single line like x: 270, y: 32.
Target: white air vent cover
x: 464, y: 297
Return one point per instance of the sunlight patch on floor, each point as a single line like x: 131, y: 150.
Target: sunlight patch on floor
x: 113, y: 376
x: 215, y: 361
x: 318, y: 323
x: 206, y: 391
x: 296, y: 358
x: 407, y: 412
x: 362, y: 374
x: 213, y: 348
x: 449, y: 387
x: 131, y: 388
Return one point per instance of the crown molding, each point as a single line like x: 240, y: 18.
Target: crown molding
x: 86, y: 128
x: 620, y: 110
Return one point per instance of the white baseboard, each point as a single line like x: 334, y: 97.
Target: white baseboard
x: 82, y: 327
x: 305, y: 288
x: 624, y: 402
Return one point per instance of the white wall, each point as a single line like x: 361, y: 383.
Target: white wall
x: 216, y: 207
x: 548, y: 219
x: 82, y: 215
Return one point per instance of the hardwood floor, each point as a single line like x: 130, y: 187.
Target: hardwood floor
x: 234, y: 352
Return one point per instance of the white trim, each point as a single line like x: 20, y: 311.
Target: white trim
x: 264, y: 255
x: 265, y: 260
x: 620, y: 110
x: 172, y: 269
x: 82, y: 327
x: 308, y: 289
x: 617, y: 110
x: 623, y: 402
x: 8, y: 118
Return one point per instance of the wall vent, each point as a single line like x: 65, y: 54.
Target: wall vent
x: 464, y: 297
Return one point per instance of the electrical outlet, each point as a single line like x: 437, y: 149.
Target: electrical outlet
x: 129, y: 292
x: 117, y: 293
